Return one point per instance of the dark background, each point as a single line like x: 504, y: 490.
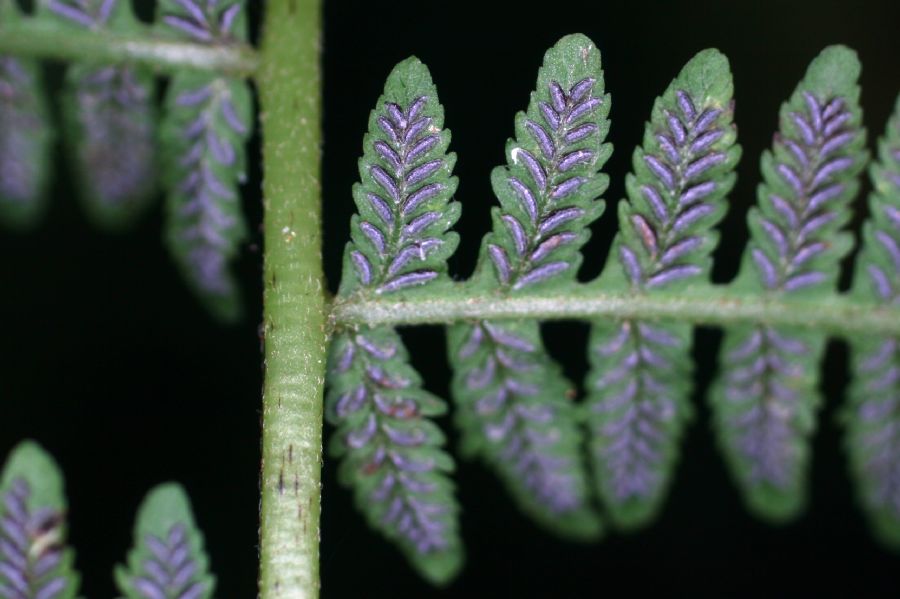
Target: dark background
x: 108, y: 361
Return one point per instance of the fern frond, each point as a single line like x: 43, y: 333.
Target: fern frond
x: 168, y: 560
x: 34, y: 560
x: 391, y: 451
x: 549, y: 188
x: 515, y: 410
x: 639, y: 384
x: 873, y: 415
x: 110, y: 116
x: 682, y: 173
x: 399, y: 237
x: 25, y: 137
x: 206, y: 123
x: 765, y: 399
x: 514, y: 404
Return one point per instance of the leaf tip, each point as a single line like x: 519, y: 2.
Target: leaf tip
x: 31, y: 462
x: 834, y: 72
x: 164, y: 505
x: 440, y: 569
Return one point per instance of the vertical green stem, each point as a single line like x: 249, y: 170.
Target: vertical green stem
x: 294, y: 313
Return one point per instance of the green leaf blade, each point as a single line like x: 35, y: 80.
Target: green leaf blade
x: 549, y: 189
x: 167, y: 559
x: 110, y: 116
x: 35, y: 561
x: 765, y: 398
x: 206, y: 123
x: 639, y: 383
x: 391, y: 452
x: 111, y: 132
x: 872, y: 416
x: 515, y: 411
x: 26, y: 140
x: 681, y: 177
x: 809, y: 179
x: 517, y: 414
x: 637, y: 407
x: 400, y: 238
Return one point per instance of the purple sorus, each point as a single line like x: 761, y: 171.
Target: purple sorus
x: 204, y: 21
x: 94, y: 14
x: 400, y: 237
x: 207, y: 123
x: 32, y: 557
x: 24, y: 142
x: 639, y: 382
x: 391, y: 450
x: 765, y: 399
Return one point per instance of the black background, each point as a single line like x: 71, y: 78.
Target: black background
x: 108, y: 361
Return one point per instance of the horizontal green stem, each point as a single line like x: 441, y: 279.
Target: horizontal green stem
x: 37, y: 40
x: 712, y: 304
